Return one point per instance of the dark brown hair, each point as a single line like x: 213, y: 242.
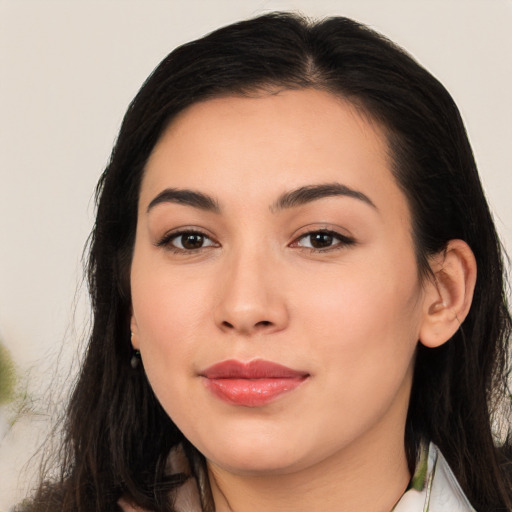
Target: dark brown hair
x: 117, y: 435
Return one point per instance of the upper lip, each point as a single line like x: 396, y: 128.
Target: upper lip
x: 256, y: 369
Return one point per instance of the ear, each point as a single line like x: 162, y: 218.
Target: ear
x: 448, y: 293
x: 134, y: 332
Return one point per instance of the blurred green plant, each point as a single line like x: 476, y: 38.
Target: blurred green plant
x: 7, y: 376
x: 16, y: 401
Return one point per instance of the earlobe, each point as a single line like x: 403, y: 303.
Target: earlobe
x: 448, y: 293
x: 134, y: 332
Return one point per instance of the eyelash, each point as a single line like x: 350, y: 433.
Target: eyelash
x: 343, y: 241
x: 167, y: 239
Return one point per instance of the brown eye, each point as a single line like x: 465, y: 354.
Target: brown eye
x: 187, y: 241
x: 321, y: 240
x: 191, y: 241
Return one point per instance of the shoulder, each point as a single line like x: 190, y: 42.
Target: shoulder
x: 185, y: 497
x: 125, y: 506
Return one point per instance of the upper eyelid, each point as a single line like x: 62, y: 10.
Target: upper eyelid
x: 335, y: 234
x: 321, y: 228
x: 187, y: 229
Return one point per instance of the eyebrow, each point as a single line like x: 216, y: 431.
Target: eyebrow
x: 291, y: 199
x: 186, y: 197
x: 310, y: 193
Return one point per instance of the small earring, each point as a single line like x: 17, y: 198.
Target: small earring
x: 135, y: 359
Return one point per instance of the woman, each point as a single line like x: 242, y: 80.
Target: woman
x: 283, y: 270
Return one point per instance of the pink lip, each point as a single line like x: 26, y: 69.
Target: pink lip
x: 251, y: 384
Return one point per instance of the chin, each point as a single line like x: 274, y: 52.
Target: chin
x: 255, y: 456
x: 257, y: 465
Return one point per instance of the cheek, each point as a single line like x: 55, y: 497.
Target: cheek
x: 165, y: 304
x: 169, y: 312
x: 370, y: 313
x: 362, y: 334
x: 167, y: 320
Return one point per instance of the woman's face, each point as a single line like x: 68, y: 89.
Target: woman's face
x: 271, y: 230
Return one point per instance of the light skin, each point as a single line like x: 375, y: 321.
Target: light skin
x: 272, y: 228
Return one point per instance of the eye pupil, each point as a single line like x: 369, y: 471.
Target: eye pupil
x: 319, y: 240
x: 192, y: 241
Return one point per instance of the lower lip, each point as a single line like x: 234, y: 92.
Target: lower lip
x: 252, y: 392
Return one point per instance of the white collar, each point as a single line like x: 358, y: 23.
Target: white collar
x: 438, y: 492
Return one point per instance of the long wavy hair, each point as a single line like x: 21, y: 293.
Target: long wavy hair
x: 117, y: 436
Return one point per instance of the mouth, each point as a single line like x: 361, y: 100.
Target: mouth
x: 252, y: 384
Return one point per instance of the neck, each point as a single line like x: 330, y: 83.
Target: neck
x: 372, y: 480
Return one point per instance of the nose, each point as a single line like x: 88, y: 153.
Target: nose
x: 252, y: 296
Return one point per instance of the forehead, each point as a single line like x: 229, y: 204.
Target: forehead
x: 286, y: 116
x: 267, y: 144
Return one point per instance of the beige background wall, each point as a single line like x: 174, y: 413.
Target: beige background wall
x: 67, y: 72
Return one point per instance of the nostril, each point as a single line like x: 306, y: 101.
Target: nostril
x: 246, y: 325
